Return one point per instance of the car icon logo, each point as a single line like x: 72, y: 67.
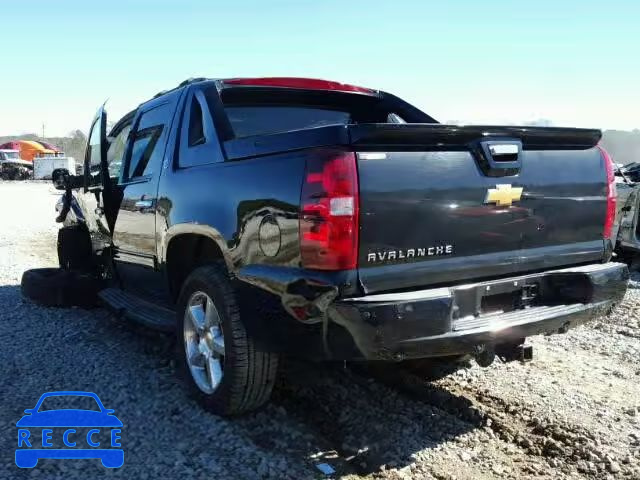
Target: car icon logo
x: 69, y: 433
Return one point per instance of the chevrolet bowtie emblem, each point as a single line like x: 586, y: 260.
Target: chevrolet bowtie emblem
x: 503, y: 195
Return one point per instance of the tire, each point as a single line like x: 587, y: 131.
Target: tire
x: 248, y: 374
x: 634, y: 263
x: 54, y: 287
x: 75, y: 251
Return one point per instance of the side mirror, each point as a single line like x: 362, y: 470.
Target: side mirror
x: 60, y: 178
x: 29, y: 410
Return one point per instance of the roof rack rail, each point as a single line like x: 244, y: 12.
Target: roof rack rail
x: 182, y: 84
x: 192, y: 80
x: 160, y: 93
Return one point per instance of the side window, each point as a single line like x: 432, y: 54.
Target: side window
x: 93, y: 153
x: 117, y: 149
x: 196, y: 124
x: 199, y: 143
x: 93, y: 147
x: 149, y: 141
x: 144, y: 150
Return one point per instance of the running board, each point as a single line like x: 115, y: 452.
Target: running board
x: 129, y: 306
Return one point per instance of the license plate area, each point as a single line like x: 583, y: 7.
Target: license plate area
x: 495, y: 298
x: 499, y: 303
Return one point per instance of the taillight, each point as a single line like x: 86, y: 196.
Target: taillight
x: 611, y: 194
x: 329, y: 216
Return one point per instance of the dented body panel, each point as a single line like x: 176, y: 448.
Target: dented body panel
x: 627, y: 227
x: 442, y: 219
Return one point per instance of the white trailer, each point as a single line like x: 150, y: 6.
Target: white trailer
x: 43, y: 167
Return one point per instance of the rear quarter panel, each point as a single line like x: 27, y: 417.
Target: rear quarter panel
x: 228, y: 202
x: 231, y: 200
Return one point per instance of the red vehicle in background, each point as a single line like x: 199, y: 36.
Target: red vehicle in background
x: 30, y: 149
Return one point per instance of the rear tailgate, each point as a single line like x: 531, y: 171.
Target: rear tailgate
x: 445, y: 204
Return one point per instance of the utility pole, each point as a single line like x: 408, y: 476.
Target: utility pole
x: 43, y: 130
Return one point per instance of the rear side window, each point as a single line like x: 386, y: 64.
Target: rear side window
x: 247, y: 120
x: 196, y: 124
x: 199, y: 144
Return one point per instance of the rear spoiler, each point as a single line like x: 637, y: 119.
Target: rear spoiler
x: 411, y: 136
x: 453, y: 137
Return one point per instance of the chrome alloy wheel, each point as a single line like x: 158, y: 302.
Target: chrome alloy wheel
x: 204, y: 342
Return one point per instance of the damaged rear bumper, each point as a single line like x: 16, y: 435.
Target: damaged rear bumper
x: 466, y: 318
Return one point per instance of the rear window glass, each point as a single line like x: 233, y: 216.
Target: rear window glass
x: 262, y: 120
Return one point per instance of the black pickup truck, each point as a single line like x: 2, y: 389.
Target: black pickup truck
x: 267, y: 216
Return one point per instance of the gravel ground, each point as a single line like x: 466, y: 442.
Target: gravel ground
x: 574, y: 412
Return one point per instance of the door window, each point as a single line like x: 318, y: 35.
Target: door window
x: 149, y: 141
x: 117, y: 149
x: 143, y: 150
x: 94, y: 149
x: 93, y: 153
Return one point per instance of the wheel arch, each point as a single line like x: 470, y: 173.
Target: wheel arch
x: 187, y: 246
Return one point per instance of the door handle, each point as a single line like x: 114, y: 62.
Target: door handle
x: 499, y: 149
x: 498, y: 158
x: 144, y: 203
